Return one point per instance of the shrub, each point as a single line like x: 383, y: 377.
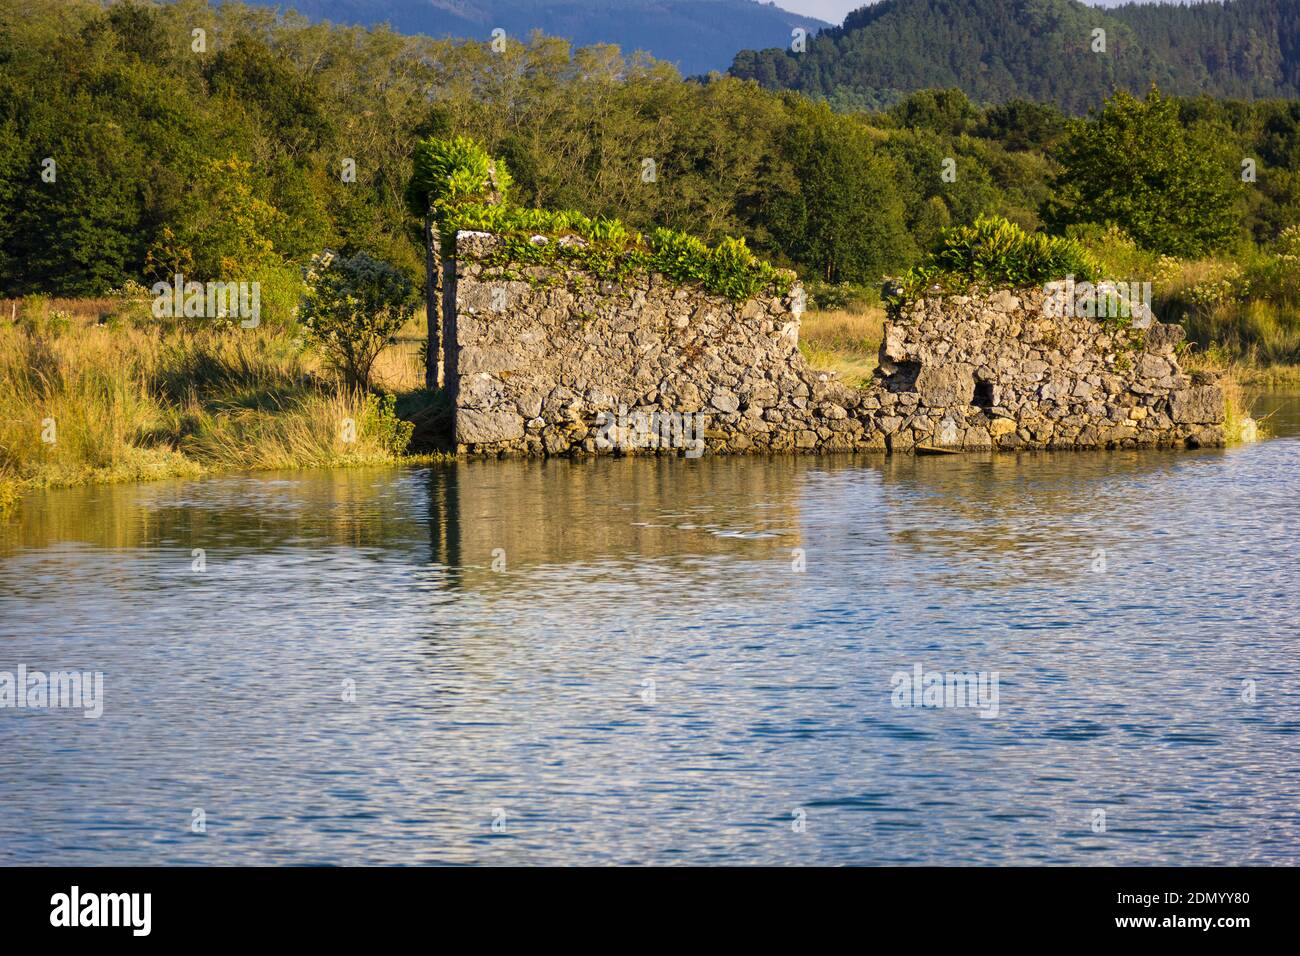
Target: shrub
x: 454, y: 179
x: 352, y: 306
x: 381, y: 425
x: 609, y: 250
x: 1119, y: 257
x: 996, y: 252
x: 281, y: 291
x: 1288, y: 243
x: 841, y: 296
x: 33, y: 309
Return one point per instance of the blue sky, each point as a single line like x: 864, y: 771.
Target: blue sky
x: 832, y: 11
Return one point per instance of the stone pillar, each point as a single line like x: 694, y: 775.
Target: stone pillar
x: 450, y: 344
x: 433, y: 322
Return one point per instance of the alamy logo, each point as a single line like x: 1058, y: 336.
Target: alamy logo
x: 1102, y: 300
x: 922, y: 688
x: 651, y: 430
x: 208, y: 300
x: 36, y: 690
x: 103, y: 909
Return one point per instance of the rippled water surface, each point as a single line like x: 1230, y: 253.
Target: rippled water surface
x: 644, y: 677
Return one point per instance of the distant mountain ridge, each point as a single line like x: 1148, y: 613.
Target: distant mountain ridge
x: 997, y: 50
x: 698, y: 35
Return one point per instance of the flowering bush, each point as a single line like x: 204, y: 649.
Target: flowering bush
x: 1288, y: 243
x: 1224, y: 285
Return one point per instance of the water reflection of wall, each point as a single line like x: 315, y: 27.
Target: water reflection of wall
x: 1008, y: 521
x: 534, y: 513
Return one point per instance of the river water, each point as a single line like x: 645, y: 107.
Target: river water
x: 649, y: 661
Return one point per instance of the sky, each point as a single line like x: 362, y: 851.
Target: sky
x: 833, y: 11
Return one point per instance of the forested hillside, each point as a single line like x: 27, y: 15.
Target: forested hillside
x: 127, y: 153
x: 1043, y: 50
x: 696, y: 35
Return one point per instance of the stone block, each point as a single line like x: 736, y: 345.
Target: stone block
x: 1200, y: 405
x: 479, y: 426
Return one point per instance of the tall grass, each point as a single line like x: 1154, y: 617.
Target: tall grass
x: 846, y: 342
x: 1239, y: 423
x: 1242, y: 311
x: 85, y: 402
x: 1256, y: 332
x: 1247, y: 308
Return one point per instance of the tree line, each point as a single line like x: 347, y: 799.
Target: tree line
x: 141, y: 140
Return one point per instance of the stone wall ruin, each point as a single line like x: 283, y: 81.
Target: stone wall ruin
x: 546, y: 361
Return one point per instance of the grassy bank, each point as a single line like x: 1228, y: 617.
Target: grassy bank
x: 842, y: 331
x: 87, y: 395
x: 1241, y: 311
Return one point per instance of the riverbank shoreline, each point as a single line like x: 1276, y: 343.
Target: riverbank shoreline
x: 94, y: 394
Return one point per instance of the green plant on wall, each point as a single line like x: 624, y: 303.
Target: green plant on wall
x: 463, y: 188
x: 450, y: 173
x: 995, y: 252
x: 611, y: 252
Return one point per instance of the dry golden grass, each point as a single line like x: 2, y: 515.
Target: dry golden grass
x: 1269, y: 376
x: 400, y: 367
x: 846, y: 343
x: 83, y: 402
x: 10, y: 490
x: 83, y: 310
x: 1239, y: 422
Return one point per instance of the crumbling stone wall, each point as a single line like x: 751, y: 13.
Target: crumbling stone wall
x: 1002, y: 371
x: 549, y: 362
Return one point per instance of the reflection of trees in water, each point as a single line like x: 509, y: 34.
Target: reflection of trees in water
x: 983, y: 518
x: 986, y: 520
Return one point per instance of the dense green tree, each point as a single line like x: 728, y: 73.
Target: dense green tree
x: 226, y: 232
x: 941, y: 180
x: 947, y: 111
x: 844, y: 219
x: 1023, y: 125
x: 1173, y: 189
x: 77, y: 218
x: 249, y: 75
